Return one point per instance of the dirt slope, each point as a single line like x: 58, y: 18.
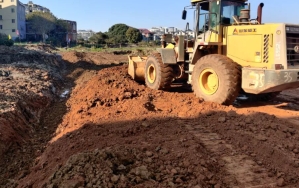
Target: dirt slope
x: 118, y: 133
x: 32, y: 77
x: 110, y: 131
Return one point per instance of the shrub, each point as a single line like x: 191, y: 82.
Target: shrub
x: 5, y: 41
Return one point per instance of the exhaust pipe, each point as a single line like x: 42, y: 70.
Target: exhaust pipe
x: 260, y: 12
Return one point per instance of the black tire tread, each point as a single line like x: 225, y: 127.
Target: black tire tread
x: 166, y: 73
x: 232, y: 75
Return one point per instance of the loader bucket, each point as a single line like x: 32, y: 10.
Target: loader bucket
x: 136, y: 67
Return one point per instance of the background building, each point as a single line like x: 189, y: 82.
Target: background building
x: 71, y: 30
x: 12, y: 18
x: 159, y: 31
x: 31, y: 7
x: 146, y: 34
x: 85, y: 34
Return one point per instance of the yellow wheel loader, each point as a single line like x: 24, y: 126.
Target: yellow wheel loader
x: 228, y: 54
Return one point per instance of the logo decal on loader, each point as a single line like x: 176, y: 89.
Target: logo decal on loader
x: 235, y: 32
x: 244, y: 31
x: 253, y: 30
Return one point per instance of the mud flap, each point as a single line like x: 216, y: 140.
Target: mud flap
x: 168, y: 55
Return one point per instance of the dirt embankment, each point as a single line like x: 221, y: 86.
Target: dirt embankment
x: 114, y: 132
x: 27, y: 77
x: 121, y: 134
x: 32, y: 80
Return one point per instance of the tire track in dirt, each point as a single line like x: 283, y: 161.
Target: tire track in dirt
x: 240, y: 167
x: 273, y: 146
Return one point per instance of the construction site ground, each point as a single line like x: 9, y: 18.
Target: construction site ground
x: 77, y: 119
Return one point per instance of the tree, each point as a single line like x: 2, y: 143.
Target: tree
x: 61, y: 25
x: 133, y: 35
x: 41, y: 22
x: 57, y: 36
x: 117, y: 33
x: 99, y: 38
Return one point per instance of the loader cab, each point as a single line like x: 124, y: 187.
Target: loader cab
x: 212, y: 15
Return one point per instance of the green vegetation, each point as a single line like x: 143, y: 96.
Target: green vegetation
x: 41, y: 23
x: 47, y: 28
x: 4, y: 40
x: 46, y: 25
x: 57, y: 37
x: 99, y: 38
x: 133, y: 35
x: 117, y: 34
x: 122, y: 33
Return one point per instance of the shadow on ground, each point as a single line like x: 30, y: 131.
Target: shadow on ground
x: 183, y: 152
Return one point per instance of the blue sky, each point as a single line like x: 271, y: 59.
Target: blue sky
x: 99, y: 15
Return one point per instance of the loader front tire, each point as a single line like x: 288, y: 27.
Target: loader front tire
x: 216, y: 78
x: 158, y: 76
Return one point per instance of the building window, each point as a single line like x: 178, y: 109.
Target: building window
x: 1, y: 27
x: 12, y: 0
x: 13, y: 21
x: 12, y: 10
x: 13, y: 30
x: 0, y: 17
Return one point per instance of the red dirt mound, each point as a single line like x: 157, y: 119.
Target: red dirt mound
x: 93, y: 57
x: 118, y: 133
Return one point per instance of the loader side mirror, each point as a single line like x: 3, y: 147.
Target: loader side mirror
x: 184, y: 15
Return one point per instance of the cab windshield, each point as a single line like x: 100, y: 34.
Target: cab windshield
x: 229, y: 9
x: 210, y: 15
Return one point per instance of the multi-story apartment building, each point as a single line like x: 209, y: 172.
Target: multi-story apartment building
x: 12, y: 18
x: 85, y: 34
x: 31, y: 7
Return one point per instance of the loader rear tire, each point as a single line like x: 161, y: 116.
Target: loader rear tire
x: 158, y: 76
x: 216, y: 78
